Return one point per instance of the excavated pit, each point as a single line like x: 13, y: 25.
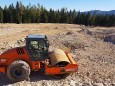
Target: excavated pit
x: 110, y: 38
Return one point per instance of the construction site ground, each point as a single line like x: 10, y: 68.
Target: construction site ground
x: 93, y: 49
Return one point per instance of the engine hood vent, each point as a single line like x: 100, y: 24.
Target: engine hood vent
x: 20, y: 50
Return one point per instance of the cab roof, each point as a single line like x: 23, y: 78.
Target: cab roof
x: 31, y: 36
x: 35, y: 36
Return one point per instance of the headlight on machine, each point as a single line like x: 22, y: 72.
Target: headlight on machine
x: 3, y: 60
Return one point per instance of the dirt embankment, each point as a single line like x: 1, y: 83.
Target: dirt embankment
x: 92, y: 47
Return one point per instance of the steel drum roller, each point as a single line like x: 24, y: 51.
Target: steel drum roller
x: 59, y: 58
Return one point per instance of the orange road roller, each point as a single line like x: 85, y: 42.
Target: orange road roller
x: 17, y: 63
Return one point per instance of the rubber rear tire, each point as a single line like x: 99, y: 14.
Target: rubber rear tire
x: 18, y: 71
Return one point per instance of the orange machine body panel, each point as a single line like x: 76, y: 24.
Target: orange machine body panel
x: 60, y: 70
x: 72, y: 67
x: 17, y: 54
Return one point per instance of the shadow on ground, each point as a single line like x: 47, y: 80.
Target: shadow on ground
x: 4, y: 80
x: 34, y: 77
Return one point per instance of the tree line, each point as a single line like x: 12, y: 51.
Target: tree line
x: 39, y: 14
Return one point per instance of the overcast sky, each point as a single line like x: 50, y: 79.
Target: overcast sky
x: 82, y: 5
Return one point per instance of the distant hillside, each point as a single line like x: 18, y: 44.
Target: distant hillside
x: 98, y: 12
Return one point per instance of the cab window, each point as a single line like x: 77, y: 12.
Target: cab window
x: 34, y: 45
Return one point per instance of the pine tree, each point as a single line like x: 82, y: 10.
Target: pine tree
x: 1, y: 15
x: 78, y: 18
x: 19, y: 12
x: 37, y: 13
x: 57, y: 16
x: 11, y: 13
x: 63, y: 15
x: 43, y: 15
x: 74, y: 14
x: 5, y: 13
x: 70, y: 17
x: 93, y: 18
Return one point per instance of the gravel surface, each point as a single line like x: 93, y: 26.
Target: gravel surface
x: 94, y: 55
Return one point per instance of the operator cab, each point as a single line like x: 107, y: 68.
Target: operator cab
x: 37, y: 47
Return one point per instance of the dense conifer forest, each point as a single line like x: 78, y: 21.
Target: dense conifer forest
x: 39, y: 14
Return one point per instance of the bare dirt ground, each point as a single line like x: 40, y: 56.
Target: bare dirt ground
x: 89, y: 46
